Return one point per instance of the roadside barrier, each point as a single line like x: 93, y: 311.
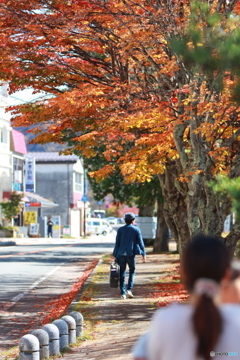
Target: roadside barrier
x: 63, y: 332
x: 71, y: 328
x: 43, y: 339
x: 29, y: 348
x: 79, y: 322
x: 53, y: 334
x: 52, y: 338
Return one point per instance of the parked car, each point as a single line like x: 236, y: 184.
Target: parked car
x: 98, y: 226
x: 112, y: 220
x: 99, y: 214
x: 120, y: 221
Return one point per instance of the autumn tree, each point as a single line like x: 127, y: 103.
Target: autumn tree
x: 107, y: 71
x: 147, y: 196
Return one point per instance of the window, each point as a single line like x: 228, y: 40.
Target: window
x: 3, y: 135
x: 78, y: 182
x: 17, y: 164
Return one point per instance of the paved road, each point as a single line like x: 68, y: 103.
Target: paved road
x: 34, y: 276
x: 23, y: 266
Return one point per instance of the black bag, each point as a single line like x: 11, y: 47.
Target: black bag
x: 114, y: 274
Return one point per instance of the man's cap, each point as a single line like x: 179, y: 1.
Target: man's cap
x: 129, y: 216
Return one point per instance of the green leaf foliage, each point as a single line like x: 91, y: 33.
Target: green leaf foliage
x: 231, y: 188
x: 210, y: 45
x: 12, y: 206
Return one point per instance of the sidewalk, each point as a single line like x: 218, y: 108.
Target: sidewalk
x: 117, y: 323
x: 39, y: 241
x: 46, y: 241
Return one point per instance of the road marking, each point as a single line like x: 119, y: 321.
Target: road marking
x: 35, y: 252
x: 33, y: 286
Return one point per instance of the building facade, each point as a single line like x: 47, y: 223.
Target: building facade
x: 60, y: 178
x: 5, y: 153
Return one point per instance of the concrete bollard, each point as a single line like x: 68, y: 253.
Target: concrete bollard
x: 29, y: 348
x: 43, y: 339
x: 53, y: 334
x: 71, y: 328
x: 79, y: 322
x: 63, y: 332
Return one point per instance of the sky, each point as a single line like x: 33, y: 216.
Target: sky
x: 21, y: 97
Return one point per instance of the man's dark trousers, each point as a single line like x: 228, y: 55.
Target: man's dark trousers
x: 123, y: 261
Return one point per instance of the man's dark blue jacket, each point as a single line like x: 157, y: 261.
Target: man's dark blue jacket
x: 129, y: 240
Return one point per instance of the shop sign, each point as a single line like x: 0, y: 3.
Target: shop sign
x: 66, y: 230
x: 30, y: 174
x: 34, y: 229
x: 32, y: 204
x: 30, y: 217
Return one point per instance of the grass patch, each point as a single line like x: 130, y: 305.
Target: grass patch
x: 11, y: 354
x: 67, y: 349
x: 86, y: 305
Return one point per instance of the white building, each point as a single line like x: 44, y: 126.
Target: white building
x: 5, y: 153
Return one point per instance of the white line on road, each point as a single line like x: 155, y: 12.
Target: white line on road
x: 33, y: 286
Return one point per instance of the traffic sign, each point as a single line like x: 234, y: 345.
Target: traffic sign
x: 84, y: 198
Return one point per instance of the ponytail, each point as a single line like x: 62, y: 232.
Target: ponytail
x: 204, y: 263
x: 207, y: 323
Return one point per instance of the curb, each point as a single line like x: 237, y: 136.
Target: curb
x: 82, y: 282
x: 7, y: 243
x: 83, y: 287
x: 88, y: 271
x: 69, y: 309
x: 42, y: 241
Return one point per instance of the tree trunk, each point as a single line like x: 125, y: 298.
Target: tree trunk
x: 175, y: 208
x: 146, y: 210
x: 162, y: 234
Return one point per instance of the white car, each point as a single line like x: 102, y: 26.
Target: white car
x: 98, y: 226
x: 112, y: 220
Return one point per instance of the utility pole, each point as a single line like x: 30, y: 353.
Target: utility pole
x: 84, y: 199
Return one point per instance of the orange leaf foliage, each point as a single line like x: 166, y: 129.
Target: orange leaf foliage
x: 109, y: 76
x: 60, y: 305
x: 169, y: 289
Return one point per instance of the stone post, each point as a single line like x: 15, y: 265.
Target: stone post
x: 53, y: 334
x: 71, y: 328
x: 43, y: 339
x: 29, y: 348
x: 79, y: 322
x: 63, y: 332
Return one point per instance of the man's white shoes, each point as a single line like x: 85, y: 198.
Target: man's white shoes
x: 129, y: 294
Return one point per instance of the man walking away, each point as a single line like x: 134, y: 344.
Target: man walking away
x: 128, y: 243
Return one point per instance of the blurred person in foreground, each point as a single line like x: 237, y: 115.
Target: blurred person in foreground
x: 230, y: 286
x: 209, y: 325
x: 129, y: 243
